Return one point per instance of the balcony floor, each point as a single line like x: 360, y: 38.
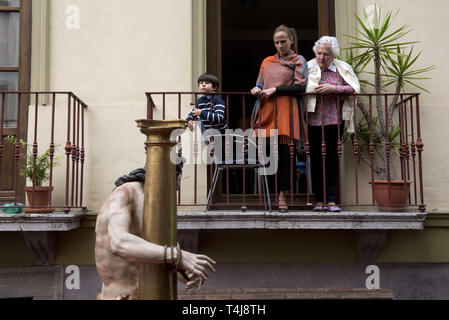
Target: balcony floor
x: 56, y: 221
x: 346, y: 220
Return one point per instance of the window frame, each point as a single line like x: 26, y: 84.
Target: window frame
x: 24, y: 82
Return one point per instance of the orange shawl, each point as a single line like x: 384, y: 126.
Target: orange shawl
x: 276, y: 72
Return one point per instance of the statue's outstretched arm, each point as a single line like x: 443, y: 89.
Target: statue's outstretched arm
x: 135, y: 249
x: 123, y: 243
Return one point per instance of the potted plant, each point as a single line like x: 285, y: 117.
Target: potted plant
x: 37, y: 171
x: 394, y: 66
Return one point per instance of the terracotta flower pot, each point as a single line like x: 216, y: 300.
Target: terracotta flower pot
x: 400, y: 190
x: 39, y: 202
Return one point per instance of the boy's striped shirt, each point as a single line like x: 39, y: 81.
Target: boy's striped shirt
x: 210, y: 119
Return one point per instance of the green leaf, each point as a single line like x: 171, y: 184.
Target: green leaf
x: 417, y: 86
x: 384, y: 46
x: 38, y: 167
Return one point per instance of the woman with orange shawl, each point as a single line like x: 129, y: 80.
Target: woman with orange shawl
x: 282, y: 74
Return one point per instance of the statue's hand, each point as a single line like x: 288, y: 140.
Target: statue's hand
x: 198, y: 264
x: 194, y: 284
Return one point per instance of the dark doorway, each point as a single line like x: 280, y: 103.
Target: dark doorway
x: 247, y: 35
x: 247, y: 38
x: 240, y: 36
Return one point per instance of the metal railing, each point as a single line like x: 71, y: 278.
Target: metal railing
x: 63, y: 108
x: 396, y: 140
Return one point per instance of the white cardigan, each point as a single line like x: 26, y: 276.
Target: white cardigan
x: 348, y: 75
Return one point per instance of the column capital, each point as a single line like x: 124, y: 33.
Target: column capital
x: 159, y: 127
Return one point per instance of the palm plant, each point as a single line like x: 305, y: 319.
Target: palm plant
x: 394, y: 65
x: 39, y: 169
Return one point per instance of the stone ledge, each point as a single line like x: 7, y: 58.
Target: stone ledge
x: 437, y: 220
x: 184, y: 221
x: 57, y: 221
x: 288, y: 293
x: 89, y: 220
x: 347, y: 220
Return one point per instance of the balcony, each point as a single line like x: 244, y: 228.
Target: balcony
x: 30, y: 129
x: 238, y: 201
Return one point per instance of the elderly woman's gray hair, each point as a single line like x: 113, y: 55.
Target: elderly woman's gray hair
x: 332, y: 41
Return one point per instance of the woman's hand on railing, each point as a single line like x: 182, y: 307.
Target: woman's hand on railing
x: 326, y: 89
x: 268, y: 93
x: 256, y: 91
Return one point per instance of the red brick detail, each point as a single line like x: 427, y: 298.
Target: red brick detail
x: 219, y: 297
x: 259, y: 290
x: 220, y: 291
x: 300, y: 296
x: 245, y: 297
x: 338, y: 290
x: 286, y: 290
x: 272, y: 296
x: 311, y: 290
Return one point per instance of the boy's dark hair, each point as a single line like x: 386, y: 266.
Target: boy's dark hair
x: 210, y: 78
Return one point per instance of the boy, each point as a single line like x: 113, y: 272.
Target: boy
x: 211, y: 118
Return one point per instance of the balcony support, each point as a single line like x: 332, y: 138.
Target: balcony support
x: 369, y: 245
x: 42, y: 245
x: 39, y: 231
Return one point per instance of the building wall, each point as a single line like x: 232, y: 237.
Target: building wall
x: 251, y: 246
x: 118, y: 54
x: 120, y: 51
x: 428, y: 27
x: 406, y: 281
x: 410, y: 264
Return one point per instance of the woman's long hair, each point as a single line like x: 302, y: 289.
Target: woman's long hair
x: 291, y: 33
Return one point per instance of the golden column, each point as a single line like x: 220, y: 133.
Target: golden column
x: 159, y: 221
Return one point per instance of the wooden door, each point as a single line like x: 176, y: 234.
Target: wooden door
x: 326, y: 17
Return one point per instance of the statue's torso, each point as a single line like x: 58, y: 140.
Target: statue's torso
x: 119, y: 276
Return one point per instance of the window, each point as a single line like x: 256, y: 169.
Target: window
x: 15, y: 61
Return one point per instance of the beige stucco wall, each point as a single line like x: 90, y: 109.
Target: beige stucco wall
x: 428, y: 26
x: 119, y: 52
x: 121, y: 49
x: 285, y: 246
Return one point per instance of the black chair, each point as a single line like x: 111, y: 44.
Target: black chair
x: 238, y: 160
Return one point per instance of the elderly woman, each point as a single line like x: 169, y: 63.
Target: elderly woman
x: 328, y: 77
x: 280, y: 75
